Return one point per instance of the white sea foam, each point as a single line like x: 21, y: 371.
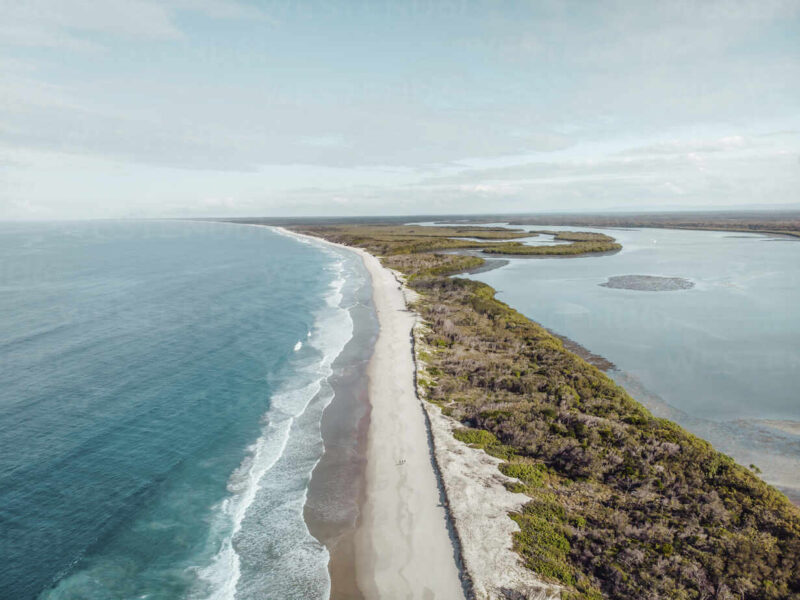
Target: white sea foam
x: 332, y: 329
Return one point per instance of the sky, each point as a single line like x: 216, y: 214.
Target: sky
x: 182, y: 108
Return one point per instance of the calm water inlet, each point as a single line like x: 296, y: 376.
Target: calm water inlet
x: 721, y: 358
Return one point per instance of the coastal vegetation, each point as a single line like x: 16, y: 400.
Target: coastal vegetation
x: 482, y: 233
x: 581, y: 243
x: 388, y: 239
x: 775, y: 222
x: 384, y: 240
x: 622, y: 504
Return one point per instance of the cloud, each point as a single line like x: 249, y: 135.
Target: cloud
x: 72, y: 23
x: 220, y: 9
x: 224, y: 133
x: 595, y: 72
x: 226, y: 203
x: 65, y: 22
x: 728, y: 170
x: 323, y: 141
x: 625, y: 34
x: 417, y: 107
x: 724, y: 144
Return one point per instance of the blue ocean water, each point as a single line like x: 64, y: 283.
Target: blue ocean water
x: 161, y: 387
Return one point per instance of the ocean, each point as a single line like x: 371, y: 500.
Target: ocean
x: 162, y: 387
x: 722, y: 358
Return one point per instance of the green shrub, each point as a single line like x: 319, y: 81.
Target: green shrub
x: 475, y: 437
x: 527, y: 473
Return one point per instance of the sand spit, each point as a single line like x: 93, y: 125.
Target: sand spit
x: 403, y: 547
x: 648, y: 283
x: 792, y: 427
x: 434, y: 524
x: 478, y: 502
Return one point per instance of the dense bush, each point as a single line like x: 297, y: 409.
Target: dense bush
x: 394, y: 240
x: 582, y: 243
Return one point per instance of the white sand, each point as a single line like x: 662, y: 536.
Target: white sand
x: 403, y: 547
x: 478, y: 501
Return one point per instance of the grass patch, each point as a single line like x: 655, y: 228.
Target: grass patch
x: 530, y: 474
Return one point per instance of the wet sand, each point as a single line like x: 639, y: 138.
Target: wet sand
x: 337, y: 488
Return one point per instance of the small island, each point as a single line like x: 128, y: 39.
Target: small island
x: 648, y: 283
x: 577, y: 243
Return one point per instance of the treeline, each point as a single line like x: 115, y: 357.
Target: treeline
x: 582, y: 242
x: 384, y: 240
x: 779, y: 223
x: 623, y: 504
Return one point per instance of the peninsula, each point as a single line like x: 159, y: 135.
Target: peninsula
x: 613, y: 502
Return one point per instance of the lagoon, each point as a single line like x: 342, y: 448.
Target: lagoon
x: 721, y: 358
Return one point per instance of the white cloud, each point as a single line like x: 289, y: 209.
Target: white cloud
x: 692, y: 147
x: 66, y: 23
x: 63, y: 22
x: 511, y: 104
x: 220, y: 9
x: 727, y: 170
x: 323, y: 141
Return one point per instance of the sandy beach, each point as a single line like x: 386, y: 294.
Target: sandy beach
x: 402, y: 545
x: 434, y: 512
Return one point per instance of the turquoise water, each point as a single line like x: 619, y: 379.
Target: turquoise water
x: 161, y: 389
x: 722, y: 358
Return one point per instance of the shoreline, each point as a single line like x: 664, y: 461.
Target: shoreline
x: 337, y: 485
x: 776, y: 468
x: 401, y: 543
